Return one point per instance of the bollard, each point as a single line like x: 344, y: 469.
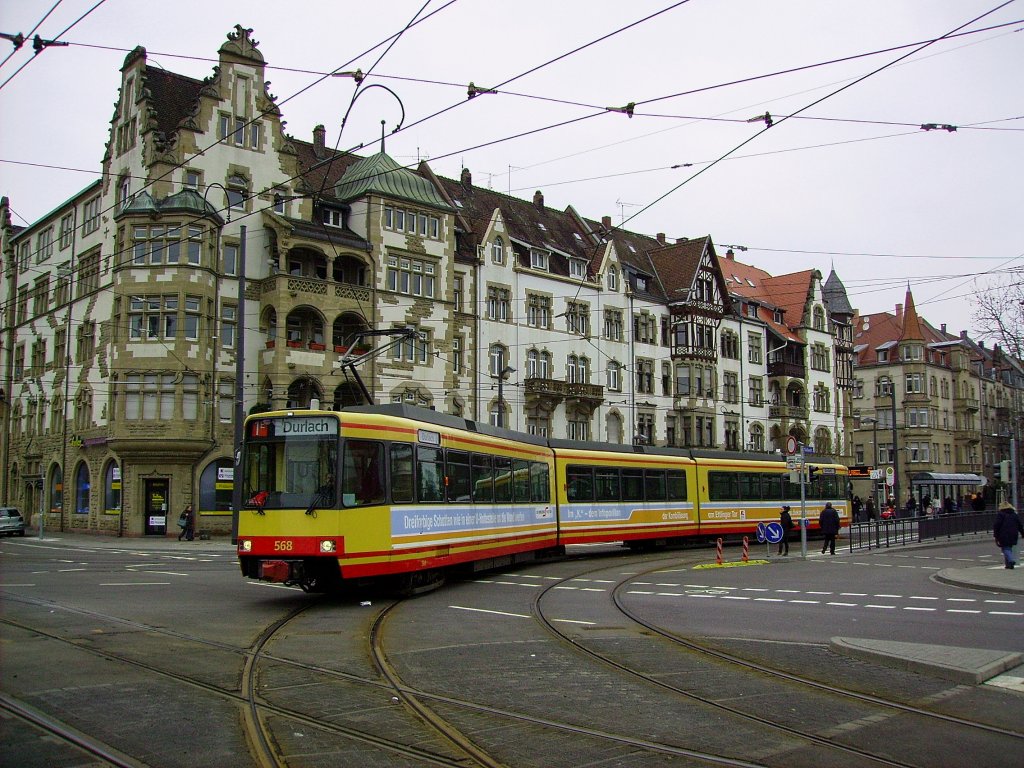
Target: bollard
x: 746, y: 550
x: 718, y: 558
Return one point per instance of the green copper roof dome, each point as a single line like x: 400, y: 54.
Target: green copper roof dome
x: 380, y: 175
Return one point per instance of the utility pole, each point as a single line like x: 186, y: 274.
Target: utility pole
x: 236, y: 482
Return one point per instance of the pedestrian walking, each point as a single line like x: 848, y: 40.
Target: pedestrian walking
x: 187, y: 523
x: 1007, y: 530
x: 786, y: 520
x: 872, y: 512
x: 829, y: 523
x: 858, y: 509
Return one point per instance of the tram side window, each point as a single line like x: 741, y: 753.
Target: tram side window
x: 457, y: 475
x: 824, y: 487
x: 579, y: 483
x: 483, y: 478
x: 540, y: 482
x: 790, y: 489
x: 722, y: 486
x: 654, y: 484
x: 401, y: 473
x: 607, y: 484
x: 632, y: 485
x: 676, y: 485
x: 521, y: 479
x: 429, y: 474
x: 502, y: 479
x: 749, y: 486
x: 362, y: 473
x: 771, y: 487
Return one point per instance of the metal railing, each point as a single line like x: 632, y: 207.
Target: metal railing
x: 901, y: 531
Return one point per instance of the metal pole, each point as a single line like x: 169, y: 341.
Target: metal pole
x: 895, y: 452
x: 501, y: 400
x: 236, y: 482
x: 803, y: 504
x: 40, y: 486
x: 1013, y: 470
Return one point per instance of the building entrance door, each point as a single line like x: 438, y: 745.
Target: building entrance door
x: 155, y: 506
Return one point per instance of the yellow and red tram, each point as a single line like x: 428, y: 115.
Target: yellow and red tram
x: 400, y: 491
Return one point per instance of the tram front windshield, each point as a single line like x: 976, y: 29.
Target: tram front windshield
x: 290, y: 462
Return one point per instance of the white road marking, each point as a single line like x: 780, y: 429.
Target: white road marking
x: 961, y: 610
x: 845, y: 605
x: 769, y: 600
x: 574, y: 621
x: 496, y: 613
x: 871, y: 605
x: 1005, y: 613
x: 134, y: 583
x: 916, y: 608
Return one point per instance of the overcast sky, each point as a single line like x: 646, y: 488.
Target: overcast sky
x: 851, y: 181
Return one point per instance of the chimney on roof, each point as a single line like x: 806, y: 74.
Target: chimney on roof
x: 466, y: 178
x: 606, y: 222
x: 963, y: 335
x: 320, y: 141
x: 660, y: 237
x: 899, y: 313
x: 943, y: 327
x: 730, y: 255
x: 538, y: 199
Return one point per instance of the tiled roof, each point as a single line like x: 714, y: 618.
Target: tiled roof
x: 173, y: 97
x: 911, y: 326
x: 320, y: 173
x: 528, y: 222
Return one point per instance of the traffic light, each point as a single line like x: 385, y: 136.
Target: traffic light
x: 1003, y: 471
x: 812, y: 471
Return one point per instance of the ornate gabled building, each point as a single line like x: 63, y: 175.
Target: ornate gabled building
x: 216, y: 244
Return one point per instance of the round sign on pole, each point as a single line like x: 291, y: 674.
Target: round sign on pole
x: 791, y: 445
x: 890, y: 476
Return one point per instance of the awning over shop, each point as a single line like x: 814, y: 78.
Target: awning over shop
x: 947, y: 478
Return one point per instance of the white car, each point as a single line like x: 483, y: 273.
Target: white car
x: 11, y: 522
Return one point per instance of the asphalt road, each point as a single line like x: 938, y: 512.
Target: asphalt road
x: 141, y: 648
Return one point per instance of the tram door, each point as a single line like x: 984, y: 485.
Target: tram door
x: 155, y: 506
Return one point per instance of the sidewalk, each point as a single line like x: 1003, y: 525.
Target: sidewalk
x: 150, y: 543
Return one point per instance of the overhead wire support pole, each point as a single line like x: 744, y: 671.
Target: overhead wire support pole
x: 348, y: 362
x: 236, y: 482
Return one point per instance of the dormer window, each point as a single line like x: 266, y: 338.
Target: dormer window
x: 577, y: 268
x: 751, y: 310
x: 641, y: 283
x: 539, y: 259
x: 333, y: 218
x: 777, y: 316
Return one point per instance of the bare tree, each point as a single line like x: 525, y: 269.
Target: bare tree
x: 999, y: 314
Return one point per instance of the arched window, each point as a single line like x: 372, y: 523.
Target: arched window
x: 215, y: 488
x: 613, y: 424
x: 82, y: 487
x: 822, y: 442
x: 819, y: 319
x: 572, y: 369
x: 756, y: 437
x: 498, y: 359
x: 614, y: 371
x: 112, y: 488
x: 56, y: 489
x: 532, y: 361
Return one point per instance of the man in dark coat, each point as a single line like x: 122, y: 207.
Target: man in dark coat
x: 786, y: 521
x: 1006, y: 530
x: 828, y: 521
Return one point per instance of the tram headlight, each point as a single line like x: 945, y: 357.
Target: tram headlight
x: 244, y: 545
x: 328, y: 546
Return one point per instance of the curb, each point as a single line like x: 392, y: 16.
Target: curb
x: 966, y: 666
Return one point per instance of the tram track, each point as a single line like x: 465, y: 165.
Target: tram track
x: 254, y: 708
x: 817, y: 740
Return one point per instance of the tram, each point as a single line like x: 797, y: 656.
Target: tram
x: 399, y: 492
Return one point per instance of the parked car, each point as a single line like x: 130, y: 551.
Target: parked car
x: 11, y: 522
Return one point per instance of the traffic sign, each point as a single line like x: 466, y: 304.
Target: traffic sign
x: 890, y: 476
x: 791, y: 445
x: 774, y: 533
x: 762, y: 533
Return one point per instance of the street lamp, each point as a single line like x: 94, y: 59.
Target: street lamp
x: 501, y: 398
x: 895, y: 448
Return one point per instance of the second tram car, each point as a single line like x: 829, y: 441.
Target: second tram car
x: 403, y: 492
